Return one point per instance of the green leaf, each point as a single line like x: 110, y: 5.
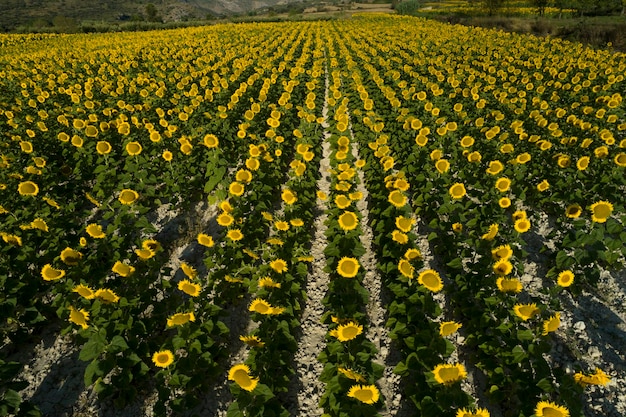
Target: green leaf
x: 545, y: 385
x: 523, y: 335
x: 519, y: 354
x: 455, y: 263
x: 215, y: 176
x: 93, y: 348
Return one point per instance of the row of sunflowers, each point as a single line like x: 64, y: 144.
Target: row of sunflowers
x: 455, y: 139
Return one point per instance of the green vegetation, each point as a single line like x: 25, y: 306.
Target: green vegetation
x: 409, y: 7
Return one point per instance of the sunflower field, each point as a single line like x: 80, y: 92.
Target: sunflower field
x: 475, y: 178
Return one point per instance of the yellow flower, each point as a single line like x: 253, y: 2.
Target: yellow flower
x: 348, y: 267
x: 479, y: 412
x: 289, y: 197
x: 322, y: 195
x: 509, y: 284
x: 565, y: 278
x: 525, y: 311
x: 502, y: 267
x: 599, y: 377
x: 39, y: 224
x: 522, y: 225
x: 133, y: 148
x: 431, y: 280
x: 447, y: 374
x: 49, y: 273
x: 348, y: 221
x: 582, y: 163
x: 163, y: 358
x: 167, y: 155
x: 84, y: 291
x: 281, y: 225
x: 211, y: 141
x: 551, y: 324
x: 457, y: 191
x: 405, y: 224
x: 279, y: 265
x: 405, y: 268
x: 543, y: 186
x: 179, y: 319
x: 263, y: 307
x: 573, y: 211
x: 128, y: 196
x: 107, y: 296
x: 549, y: 409
x: 79, y: 317
x: 268, y: 282
x: 296, y: 222
x: 95, y: 231
x: 346, y: 332
x: 236, y: 188
x: 399, y: 237
x: 367, y: 394
x: 342, y: 201
x: 225, y: 219
x: 253, y: 341
x: 397, y: 198
x: 601, y: 211
x: 457, y: 227
x: 70, y: 257
x: 349, y: 373
x: 28, y: 188
x: 495, y: 167
x: 189, y: 288
x: 448, y: 328
x: 240, y: 373
x: 144, y: 254
x: 234, y: 235
x: 502, y: 252
x: 205, y: 240
x: 123, y: 269
x: 188, y: 270
x: 503, y: 184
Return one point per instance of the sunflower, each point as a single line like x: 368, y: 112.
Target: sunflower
x: 350, y: 374
x: 457, y: 227
x: 550, y: 325
x: 348, y: 221
x: 234, y: 235
x: 267, y: 282
x: 144, y: 254
x: 457, y: 191
x: 342, y: 201
x: 236, y: 188
x: 398, y: 236
x: 133, y: 148
x: 322, y: 196
x: 179, y: 319
x: 479, y: 412
x: 189, y: 288
x: 447, y: 374
x: 448, y: 328
x: 163, y: 358
x: 211, y: 141
x: 84, y: 291
x: 502, y: 252
x: 253, y: 341
x: 405, y: 268
x: 279, y: 265
x: 367, y: 394
x: 281, y: 225
x: 289, y: 197
x: 549, y: 409
x: 123, y: 269
x: 573, y: 211
x: 565, y: 278
x: 263, y: 307
x: 70, y: 257
x: 225, y: 219
x: 106, y: 296
x: 620, y: 159
x: 522, y: 225
x: 397, y: 199
x: 28, y: 188
x: 79, y: 317
x: 240, y: 373
x: 502, y: 267
x: 599, y: 377
x: 509, y: 284
x: 167, y: 155
x: 405, y: 224
x: 543, y: 186
x: 205, y: 240
x: 495, y: 167
x: 525, y: 311
x: 348, y: 267
x: 103, y: 147
x: 431, y: 280
x: 346, y: 332
x: 296, y: 222
x: 601, y: 211
x: 128, y: 196
x: 503, y: 184
x: 49, y: 273
x: 95, y: 231
x: 188, y: 270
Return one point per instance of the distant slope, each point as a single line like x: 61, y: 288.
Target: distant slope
x: 60, y: 13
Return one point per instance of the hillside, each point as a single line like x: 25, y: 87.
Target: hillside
x: 67, y: 13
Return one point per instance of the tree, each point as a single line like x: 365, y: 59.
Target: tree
x: 493, y: 6
x: 541, y: 6
x: 152, y: 13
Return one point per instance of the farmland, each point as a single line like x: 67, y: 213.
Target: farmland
x: 376, y: 216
